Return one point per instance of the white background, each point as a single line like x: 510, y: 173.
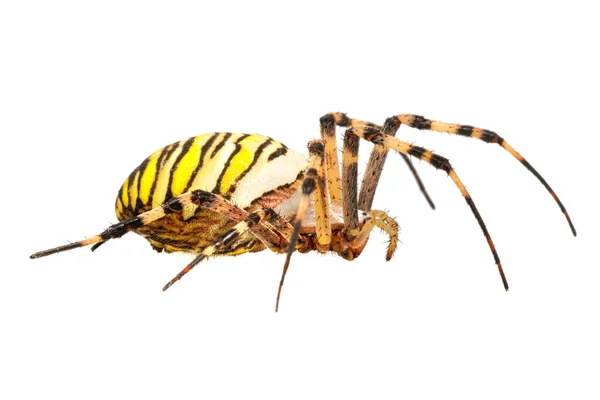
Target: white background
x: 88, y: 91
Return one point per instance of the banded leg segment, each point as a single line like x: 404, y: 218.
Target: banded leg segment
x: 375, y: 135
x: 422, y: 123
x: 374, y: 167
x: 350, y: 185
x: 316, y: 151
x: 328, y: 124
x: 313, y: 182
x: 224, y: 241
x: 198, y: 198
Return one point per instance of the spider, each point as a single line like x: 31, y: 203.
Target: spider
x: 228, y: 194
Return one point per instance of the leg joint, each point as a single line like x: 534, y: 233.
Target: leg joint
x: 327, y: 122
x: 118, y: 230
x: 172, y: 206
x: 391, y: 125
x: 316, y: 147
x: 440, y: 162
x: 491, y: 137
x: 420, y: 122
x: 371, y: 133
x: 308, y: 186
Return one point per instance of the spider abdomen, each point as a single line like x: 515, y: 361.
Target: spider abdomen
x: 238, y: 167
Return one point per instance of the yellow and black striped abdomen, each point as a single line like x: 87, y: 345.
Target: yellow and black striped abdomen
x: 238, y: 167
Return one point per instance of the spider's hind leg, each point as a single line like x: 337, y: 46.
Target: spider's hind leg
x: 196, y: 198
x: 225, y: 240
x: 374, y: 167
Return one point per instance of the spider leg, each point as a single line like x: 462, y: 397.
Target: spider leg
x: 350, y: 185
x: 419, y: 122
x: 314, y: 182
x: 382, y: 221
x: 350, y: 208
x: 198, y: 198
x: 374, y: 134
x: 374, y: 167
x: 328, y: 123
x: 358, y: 236
x: 322, y: 216
x: 224, y: 241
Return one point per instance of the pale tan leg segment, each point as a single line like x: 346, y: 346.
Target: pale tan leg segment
x: 374, y: 167
x: 314, y: 182
x: 332, y: 166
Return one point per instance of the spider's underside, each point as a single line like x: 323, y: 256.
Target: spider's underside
x: 227, y: 194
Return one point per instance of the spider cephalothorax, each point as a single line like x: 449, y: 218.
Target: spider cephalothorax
x: 227, y: 194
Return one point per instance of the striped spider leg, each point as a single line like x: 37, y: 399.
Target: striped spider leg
x: 377, y: 158
x: 375, y: 135
x: 349, y: 240
x: 422, y: 123
x: 274, y: 236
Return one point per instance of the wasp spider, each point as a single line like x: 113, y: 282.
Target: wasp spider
x: 227, y: 194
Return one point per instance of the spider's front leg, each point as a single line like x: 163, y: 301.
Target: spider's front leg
x: 354, y: 237
x: 350, y: 249
x: 374, y: 135
x: 485, y: 135
x: 374, y: 167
